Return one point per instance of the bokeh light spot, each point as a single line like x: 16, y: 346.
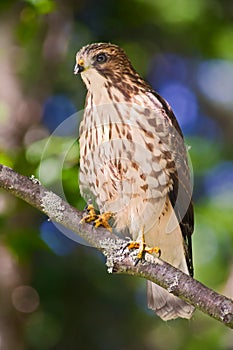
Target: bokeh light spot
x: 35, y: 134
x: 183, y: 102
x: 219, y: 184
x: 56, y: 110
x: 49, y: 171
x: 166, y: 68
x: 215, y: 79
x: 25, y: 299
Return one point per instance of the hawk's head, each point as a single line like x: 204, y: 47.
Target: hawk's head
x: 103, y: 63
x: 102, y: 57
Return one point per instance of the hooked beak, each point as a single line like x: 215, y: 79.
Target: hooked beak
x: 78, y: 69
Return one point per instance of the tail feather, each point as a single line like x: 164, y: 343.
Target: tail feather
x: 166, y: 305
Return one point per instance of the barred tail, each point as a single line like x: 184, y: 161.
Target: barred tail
x: 166, y: 305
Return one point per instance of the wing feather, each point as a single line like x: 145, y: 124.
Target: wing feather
x: 181, y: 193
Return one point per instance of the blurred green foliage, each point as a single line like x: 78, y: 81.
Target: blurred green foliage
x: 81, y: 306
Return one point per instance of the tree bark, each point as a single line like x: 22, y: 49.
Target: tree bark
x: 119, y: 259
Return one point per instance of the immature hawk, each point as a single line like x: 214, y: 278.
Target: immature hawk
x: 133, y: 163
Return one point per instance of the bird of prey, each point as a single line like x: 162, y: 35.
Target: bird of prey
x: 133, y: 165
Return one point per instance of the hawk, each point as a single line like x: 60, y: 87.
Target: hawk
x: 133, y: 164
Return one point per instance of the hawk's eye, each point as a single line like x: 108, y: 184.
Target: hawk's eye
x: 101, y: 58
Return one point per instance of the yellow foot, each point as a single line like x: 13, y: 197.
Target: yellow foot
x: 143, y: 248
x: 92, y: 216
x: 99, y: 220
x: 102, y: 220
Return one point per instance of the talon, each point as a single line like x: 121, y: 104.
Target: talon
x: 99, y: 220
x: 143, y: 248
x: 136, y: 261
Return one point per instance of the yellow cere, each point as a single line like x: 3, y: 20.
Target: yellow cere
x: 81, y: 62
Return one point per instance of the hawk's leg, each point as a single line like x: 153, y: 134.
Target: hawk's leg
x: 98, y: 219
x: 143, y: 248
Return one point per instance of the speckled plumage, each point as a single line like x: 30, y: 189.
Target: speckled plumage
x: 133, y: 162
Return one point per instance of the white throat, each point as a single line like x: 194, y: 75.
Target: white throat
x: 96, y: 86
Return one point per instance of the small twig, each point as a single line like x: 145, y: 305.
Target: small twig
x: 119, y: 259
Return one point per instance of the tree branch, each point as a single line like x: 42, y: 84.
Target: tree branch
x: 119, y: 259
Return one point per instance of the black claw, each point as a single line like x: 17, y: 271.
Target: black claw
x: 137, y: 261
x: 86, y: 208
x: 159, y: 253
x: 126, y: 246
